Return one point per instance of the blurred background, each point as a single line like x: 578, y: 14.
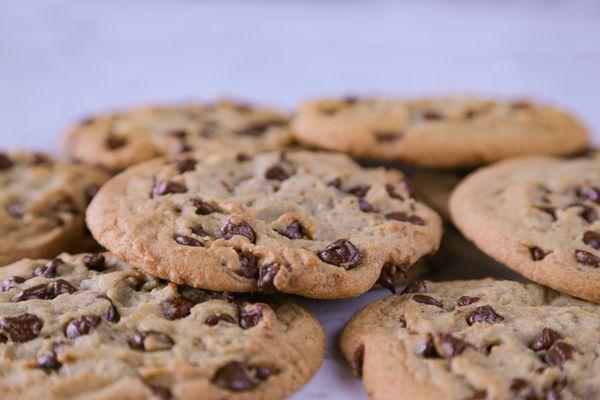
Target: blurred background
x: 60, y: 60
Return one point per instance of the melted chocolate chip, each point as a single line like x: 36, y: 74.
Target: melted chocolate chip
x: 551, y: 211
x: 5, y: 162
x: 424, y: 299
x: 522, y: 389
x: 592, y: 239
x: 558, y: 354
x: 48, y: 270
x: 58, y: 287
x: 48, y: 361
x: 360, y: 190
x: 151, y: 341
x: 365, y: 206
x: 22, y: 328
x: 242, y: 228
x: 37, y: 292
x: 111, y: 314
x: 81, y: 326
x: 176, y: 308
x: 215, y: 319
x: 537, y: 254
x: 235, y: 376
x: 484, y: 314
x: 587, y: 258
x: 248, y: 265
x: 96, y: 262
x: 358, y: 360
x: 266, y: 278
x: 416, y: 287
x: 293, y: 231
x: 341, y: 253
x: 391, y: 190
x: 276, y: 172
x: 545, y: 339
x: 188, y: 164
x: 113, y: 142
x: 168, y: 188
x: 187, y: 241
x: 449, y: 346
x: 427, y: 348
x: 466, y: 300
x: 250, y: 318
x: 202, y: 208
x: 403, y: 217
x: 387, y: 275
x: 10, y: 283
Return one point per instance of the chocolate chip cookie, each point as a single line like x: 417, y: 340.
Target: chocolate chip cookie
x: 313, y: 224
x: 437, y: 132
x: 538, y: 216
x: 90, y: 326
x: 119, y: 140
x: 484, y: 339
x: 42, y: 206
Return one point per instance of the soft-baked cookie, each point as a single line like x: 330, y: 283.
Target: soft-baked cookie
x: 42, y: 206
x: 437, y: 132
x: 484, y: 339
x: 92, y: 327
x: 117, y: 141
x: 313, y: 224
x: 538, y: 216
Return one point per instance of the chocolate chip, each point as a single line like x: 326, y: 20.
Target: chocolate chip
x: 403, y: 217
x: 358, y: 360
x: 215, y: 319
x: 416, y: 287
x: 479, y: 395
x: 22, y: 328
x: 168, y: 188
x: 266, y: 278
x: 408, y: 187
x: 537, y: 254
x: 587, y: 258
x: 431, y: 115
x: 242, y: 228
x: 243, y: 157
x: 341, y: 253
x: 391, y: 190
x: 37, y: 292
x: 551, y: 211
x: 523, y: 389
x: 250, y: 318
x: 199, y: 230
x: 5, y: 162
x: 424, y: 299
x: 385, y: 137
x: 3, y: 338
x: 234, y: 376
x: 545, y: 339
x: 466, y: 300
x: 160, y: 392
x: 365, y: 206
x: 48, y: 361
x: 558, y: 354
x: 111, y: 314
x: 449, y: 346
x: 81, y: 326
x: 335, y: 182
x: 96, y: 262
x: 113, y: 142
x: 202, y: 208
x: 293, y: 231
x: 187, y: 241
x: 10, y: 283
x: 276, y: 172
x: 151, y: 341
x: 258, y: 128
x: 590, y: 193
x: 592, y: 239
x: 484, y: 314
x: 427, y: 347
x: 387, y: 275
x: 360, y: 190
x: 248, y: 265
x: 589, y: 214
x: 58, y: 287
x: 188, y: 164
x: 176, y: 308
x: 15, y: 210
x: 48, y: 270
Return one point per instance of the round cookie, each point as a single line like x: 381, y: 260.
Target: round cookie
x: 120, y: 140
x: 437, y: 132
x: 42, y: 206
x: 538, y: 216
x: 483, y: 339
x: 313, y: 224
x: 92, y: 327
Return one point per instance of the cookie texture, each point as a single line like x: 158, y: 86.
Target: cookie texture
x: 437, y: 132
x: 91, y: 327
x: 119, y: 140
x: 538, y: 216
x: 42, y: 206
x: 313, y: 224
x: 483, y: 339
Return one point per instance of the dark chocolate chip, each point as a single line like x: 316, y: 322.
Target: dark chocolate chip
x: 248, y: 265
x: 335, y: 182
x: 188, y: 164
x: 590, y: 193
x: 391, y: 190
x: 360, y: 190
x: 202, y: 208
x: 113, y: 142
x: 243, y: 157
x: 427, y: 347
x: 215, y: 319
x: 58, y: 287
x: 537, y: 254
x: 187, y: 241
x: 551, y: 211
x: 545, y: 339
x: 404, y: 217
x: 111, y: 314
x: 151, y: 341
x: 48, y: 361
x: 449, y: 346
x: 266, y: 277
x: 388, y: 273
x: 365, y: 206
x: 22, y: 328
x: 161, y: 392
x: 235, y: 376
x: 10, y: 283
x: 358, y: 360
x: 5, y: 162
x: 276, y: 172
x: 48, y: 270
x: 424, y: 299
x: 168, y: 188
x: 466, y: 300
x: 416, y: 287
x: 242, y: 228
x: 341, y: 253
x: 385, y: 137
x: 408, y: 187
x: 81, y: 326
x: 484, y: 314
x: 250, y: 318
x: 293, y: 231
x: 37, y: 292
x: 96, y: 262
x: 522, y: 389
x: 592, y: 239
x: 559, y: 353
x: 587, y: 258
x: 589, y: 214
x: 176, y: 308
x: 199, y: 230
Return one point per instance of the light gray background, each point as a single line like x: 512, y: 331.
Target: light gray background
x: 60, y: 60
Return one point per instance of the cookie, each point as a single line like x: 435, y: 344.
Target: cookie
x: 120, y: 140
x: 538, y: 216
x: 89, y: 326
x: 306, y: 223
x: 437, y: 132
x: 483, y: 339
x: 42, y: 206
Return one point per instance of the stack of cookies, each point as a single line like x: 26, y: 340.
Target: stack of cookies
x: 159, y: 262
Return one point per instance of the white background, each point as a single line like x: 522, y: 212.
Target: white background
x: 60, y: 60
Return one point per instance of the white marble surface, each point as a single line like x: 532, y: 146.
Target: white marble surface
x: 62, y: 59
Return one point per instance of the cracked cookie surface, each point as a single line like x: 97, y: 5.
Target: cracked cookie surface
x: 42, y: 205
x: 120, y: 140
x: 538, y: 216
x: 313, y: 224
x: 89, y: 326
x: 483, y: 339
x: 437, y: 132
